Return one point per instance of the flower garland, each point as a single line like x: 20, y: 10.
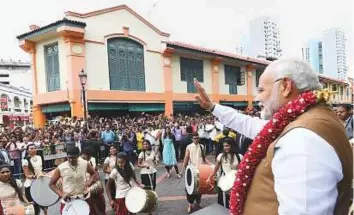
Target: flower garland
x: 258, y: 149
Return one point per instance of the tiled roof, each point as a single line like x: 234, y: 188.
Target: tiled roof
x: 62, y: 21
x: 218, y: 52
x: 332, y: 79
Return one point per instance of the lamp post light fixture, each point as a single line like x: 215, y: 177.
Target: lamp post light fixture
x: 83, y: 79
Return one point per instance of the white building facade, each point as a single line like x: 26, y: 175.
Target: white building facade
x: 16, y: 105
x: 335, y: 59
x: 264, y: 38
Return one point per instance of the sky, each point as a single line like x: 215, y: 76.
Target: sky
x: 219, y: 24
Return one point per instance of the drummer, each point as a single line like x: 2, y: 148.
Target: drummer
x: 97, y: 202
x: 32, y: 166
x: 9, y: 187
x: 195, y: 155
x: 147, y: 163
x: 73, y: 172
x: 124, y: 177
x: 225, y: 162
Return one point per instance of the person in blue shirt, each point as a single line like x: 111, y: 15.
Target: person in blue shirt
x: 108, y: 137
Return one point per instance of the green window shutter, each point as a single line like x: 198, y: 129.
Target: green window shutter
x: 232, y: 77
x: 242, y: 79
x: 233, y: 89
x: 52, y: 67
x: 190, y: 69
x: 126, y: 65
x: 140, y: 69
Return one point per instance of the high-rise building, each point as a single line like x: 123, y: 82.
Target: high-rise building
x: 16, y: 73
x: 334, y: 55
x: 264, y: 38
x: 313, y: 54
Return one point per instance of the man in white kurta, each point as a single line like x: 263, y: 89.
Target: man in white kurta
x: 309, y: 157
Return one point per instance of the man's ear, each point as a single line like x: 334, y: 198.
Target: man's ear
x: 286, y: 86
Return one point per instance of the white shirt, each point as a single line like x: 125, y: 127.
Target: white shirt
x: 122, y: 187
x: 306, y: 169
x: 111, y: 161
x: 36, y: 162
x: 148, y: 161
x: 225, y: 164
x: 195, y: 154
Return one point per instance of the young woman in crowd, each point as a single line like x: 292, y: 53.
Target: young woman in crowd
x: 169, y: 154
x: 147, y: 163
x: 10, y: 189
x: 33, y: 168
x: 108, y: 165
x: 123, y: 176
x: 226, y: 161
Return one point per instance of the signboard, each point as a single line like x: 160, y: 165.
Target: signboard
x: 4, y: 103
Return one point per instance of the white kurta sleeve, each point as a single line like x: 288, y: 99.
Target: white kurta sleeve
x: 246, y: 125
x: 306, y: 172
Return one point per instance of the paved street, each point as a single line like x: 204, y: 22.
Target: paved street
x: 172, y: 199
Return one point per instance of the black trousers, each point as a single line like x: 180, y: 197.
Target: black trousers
x: 145, y: 179
x: 194, y: 198
x: 37, y: 208
x: 221, y: 198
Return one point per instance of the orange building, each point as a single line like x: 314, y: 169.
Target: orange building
x: 341, y: 90
x: 131, y: 66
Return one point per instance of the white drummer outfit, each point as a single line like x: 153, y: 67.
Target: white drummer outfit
x: 122, y: 188
x: 225, y: 168
x: 73, y: 179
x: 195, y: 159
x: 148, y: 175
x: 7, y: 192
x: 37, y: 164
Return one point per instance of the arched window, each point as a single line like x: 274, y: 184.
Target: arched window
x: 17, y: 103
x: 25, y: 104
x: 126, y: 64
x: 4, y: 102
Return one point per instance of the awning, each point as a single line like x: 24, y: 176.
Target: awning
x: 148, y: 107
x: 107, y: 106
x: 133, y: 107
x: 55, y: 108
x: 186, y: 106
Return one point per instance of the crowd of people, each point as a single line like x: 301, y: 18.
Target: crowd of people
x: 126, y: 133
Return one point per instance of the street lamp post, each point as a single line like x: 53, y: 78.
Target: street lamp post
x: 83, y: 79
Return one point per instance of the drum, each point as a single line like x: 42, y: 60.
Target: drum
x: 40, y: 186
x: 196, y: 180
x: 139, y: 200
x: 96, y: 188
x: 76, y: 207
x: 13, y: 206
x: 227, y: 181
x: 60, y: 181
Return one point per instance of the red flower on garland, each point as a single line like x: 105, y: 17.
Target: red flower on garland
x: 258, y: 149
